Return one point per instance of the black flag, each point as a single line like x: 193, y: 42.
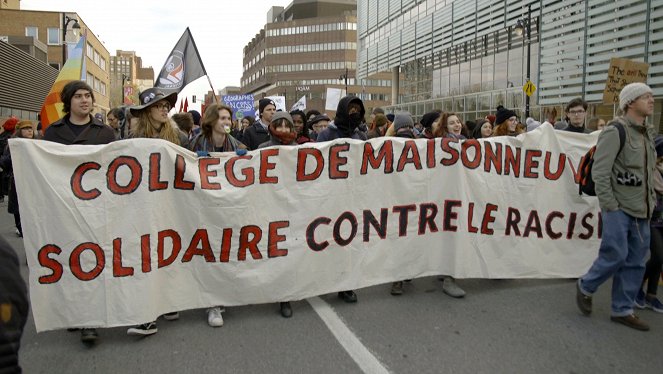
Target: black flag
x: 182, y: 67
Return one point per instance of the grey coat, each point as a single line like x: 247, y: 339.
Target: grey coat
x: 625, y: 180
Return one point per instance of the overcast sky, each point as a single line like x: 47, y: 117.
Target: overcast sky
x: 220, y: 28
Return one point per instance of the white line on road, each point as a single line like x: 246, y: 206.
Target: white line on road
x: 362, y: 356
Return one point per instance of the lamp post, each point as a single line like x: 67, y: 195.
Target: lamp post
x: 345, y: 77
x: 76, y: 26
x: 524, y: 28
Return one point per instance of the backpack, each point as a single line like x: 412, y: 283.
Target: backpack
x: 586, y: 183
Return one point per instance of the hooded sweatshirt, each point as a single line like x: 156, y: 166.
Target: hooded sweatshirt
x: 345, y: 125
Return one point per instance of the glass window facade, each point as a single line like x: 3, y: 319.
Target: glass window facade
x: 467, y: 51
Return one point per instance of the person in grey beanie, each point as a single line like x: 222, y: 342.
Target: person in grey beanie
x: 625, y: 186
x: 404, y: 125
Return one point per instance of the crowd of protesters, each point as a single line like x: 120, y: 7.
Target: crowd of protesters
x: 626, y: 239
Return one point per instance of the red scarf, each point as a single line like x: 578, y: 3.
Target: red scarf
x: 285, y: 138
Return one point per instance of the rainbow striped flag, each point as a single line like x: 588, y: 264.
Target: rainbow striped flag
x: 73, y: 69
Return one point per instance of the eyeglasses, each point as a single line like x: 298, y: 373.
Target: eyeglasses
x: 161, y: 106
x: 577, y: 112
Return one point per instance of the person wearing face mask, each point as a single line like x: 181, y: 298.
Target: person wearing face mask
x: 215, y: 131
x: 349, y: 116
x: 282, y: 132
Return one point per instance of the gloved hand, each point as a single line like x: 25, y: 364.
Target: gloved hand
x: 202, y: 153
x: 240, y: 151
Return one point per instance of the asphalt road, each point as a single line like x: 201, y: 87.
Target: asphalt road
x: 501, y: 326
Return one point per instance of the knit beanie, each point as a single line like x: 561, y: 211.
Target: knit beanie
x: 196, y: 117
x: 491, y: 119
x: 503, y: 114
x: 632, y: 91
x: 390, y: 117
x: 403, y: 119
x: 280, y: 115
x: 10, y: 124
x: 428, y: 119
x: 262, y: 104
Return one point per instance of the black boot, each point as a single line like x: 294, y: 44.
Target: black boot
x: 286, y: 309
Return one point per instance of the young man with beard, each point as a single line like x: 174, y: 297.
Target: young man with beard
x: 624, y: 183
x: 258, y: 133
x: 78, y: 126
x: 349, y: 116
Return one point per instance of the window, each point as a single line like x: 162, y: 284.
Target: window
x: 53, y: 36
x: 32, y: 31
x: 90, y: 50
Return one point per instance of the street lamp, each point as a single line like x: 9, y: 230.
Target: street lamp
x: 345, y: 77
x: 75, y: 27
x: 524, y: 28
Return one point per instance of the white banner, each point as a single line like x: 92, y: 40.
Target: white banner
x: 279, y: 101
x: 333, y: 97
x: 300, y: 104
x: 122, y: 233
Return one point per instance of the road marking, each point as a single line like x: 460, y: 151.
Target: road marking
x: 362, y: 356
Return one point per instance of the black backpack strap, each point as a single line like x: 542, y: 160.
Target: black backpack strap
x: 622, y: 135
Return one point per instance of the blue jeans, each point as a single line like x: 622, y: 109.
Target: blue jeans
x: 622, y: 256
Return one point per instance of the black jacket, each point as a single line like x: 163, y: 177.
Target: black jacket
x: 13, y: 308
x: 255, y: 135
x: 96, y: 133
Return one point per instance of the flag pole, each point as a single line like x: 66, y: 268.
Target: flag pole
x: 203, y: 65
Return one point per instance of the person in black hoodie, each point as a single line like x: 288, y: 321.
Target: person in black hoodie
x: 349, y: 117
x: 257, y: 133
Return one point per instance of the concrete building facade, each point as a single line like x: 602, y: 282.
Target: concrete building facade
x: 47, y: 28
x: 304, y: 49
x: 128, y: 77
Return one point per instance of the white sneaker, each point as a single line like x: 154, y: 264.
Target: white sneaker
x: 143, y: 330
x: 171, y: 316
x: 450, y: 287
x: 214, y: 318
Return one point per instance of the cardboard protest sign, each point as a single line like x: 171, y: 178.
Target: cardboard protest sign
x: 622, y: 72
x: 124, y: 232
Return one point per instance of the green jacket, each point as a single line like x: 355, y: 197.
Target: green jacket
x: 625, y: 180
